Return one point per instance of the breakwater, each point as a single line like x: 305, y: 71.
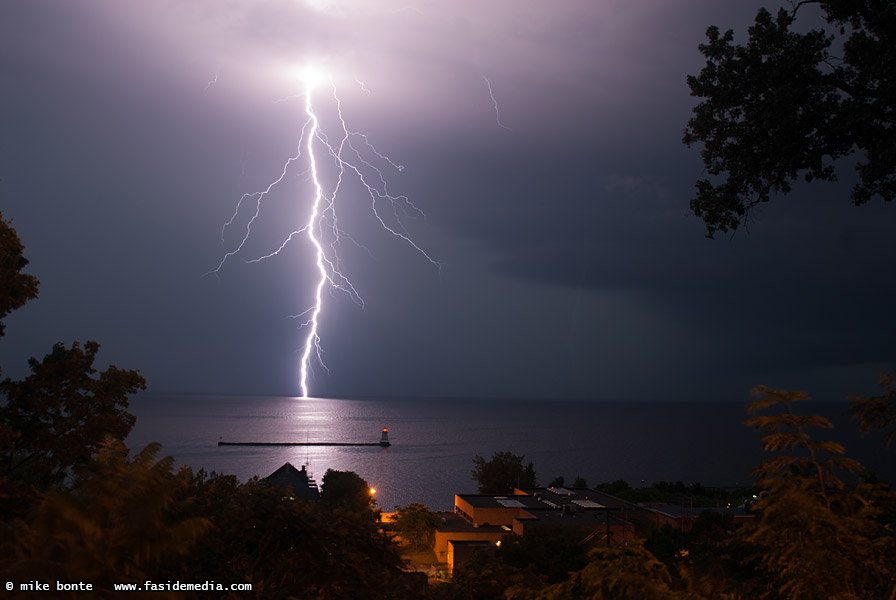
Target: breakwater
x: 381, y: 444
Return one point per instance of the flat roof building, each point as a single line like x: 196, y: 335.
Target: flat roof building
x: 598, y: 516
x: 454, y: 528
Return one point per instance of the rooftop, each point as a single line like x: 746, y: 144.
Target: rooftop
x: 501, y: 501
x: 453, y: 523
x: 573, y: 518
x: 677, y: 510
x: 300, y: 481
x: 581, y: 498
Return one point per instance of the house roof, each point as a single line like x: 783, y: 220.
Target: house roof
x: 299, y: 480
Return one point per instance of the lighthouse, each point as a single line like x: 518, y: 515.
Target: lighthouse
x: 384, y: 441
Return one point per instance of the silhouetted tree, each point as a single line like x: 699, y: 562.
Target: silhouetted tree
x: 292, y: 548
x: 481, y: 577
x: 708, y: 560
x: 502, y: 473
x: 578, y: 482
x: 557, y: 482
x: 60, y: 414
x: 815, y: 537
x: 125, y: 520
x: 789, y: 104
x: 613, y: 487
x: 877, y: 412
x: 417, y: 525
x: 54, y: 421
x: 550, y: 552
x: 618, y: 573
x: 16, y: 288
x: 345, y: 489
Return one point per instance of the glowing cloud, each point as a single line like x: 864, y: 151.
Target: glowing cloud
x: 311, y: 76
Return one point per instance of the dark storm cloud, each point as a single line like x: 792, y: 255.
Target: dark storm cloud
x: 572, y: 264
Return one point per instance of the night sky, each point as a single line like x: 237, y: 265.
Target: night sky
x: 572, y: 266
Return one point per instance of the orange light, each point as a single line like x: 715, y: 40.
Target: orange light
x: 372, y: 491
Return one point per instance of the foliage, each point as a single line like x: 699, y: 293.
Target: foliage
x: 813, y: 463
x: 292, y: 548
x: 613, y: 487
x: 785, y: 105
x: 664, y: 491
x: 345, y: 489
x: 579, y: 482
x: 60, y: 415
x: 668, y: 544
x: 16, y: 288
x: 877, y: 412
x: 416, y: 524
x: 502, y: 473
x: 519, y: 567
x: 481, y: 577
x: 550, y: 553
x: 125, y: 520
x: 708, y: 560
x: 75, y: 507
x: 617, y: 573
x: 815, y: 537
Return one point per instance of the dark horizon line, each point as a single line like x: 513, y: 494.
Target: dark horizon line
x: 420, y: 397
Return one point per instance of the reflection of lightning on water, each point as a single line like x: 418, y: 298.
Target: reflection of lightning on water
x: 352, y: 156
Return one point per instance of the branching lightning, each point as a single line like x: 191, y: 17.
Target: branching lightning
x: 352, y: 155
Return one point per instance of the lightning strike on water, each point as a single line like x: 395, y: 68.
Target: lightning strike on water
x: 313, y: 338
x: 491, y: 94
x: 348, y: 158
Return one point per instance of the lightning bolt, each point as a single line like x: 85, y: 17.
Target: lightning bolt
x: 211, y: 81
x: 313, y: 338
x: 491, y: 94
x: 362, y: 86
x: 353, y: 155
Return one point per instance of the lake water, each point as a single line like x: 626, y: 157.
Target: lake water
x: 434, y: 440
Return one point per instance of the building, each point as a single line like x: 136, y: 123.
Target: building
x: 299, y: 481
x: 483, y: 519
x: 490, y: 509
x: 683, y: 516
x: 455, y: 531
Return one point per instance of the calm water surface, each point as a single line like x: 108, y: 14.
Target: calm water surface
x: 434, y: 441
